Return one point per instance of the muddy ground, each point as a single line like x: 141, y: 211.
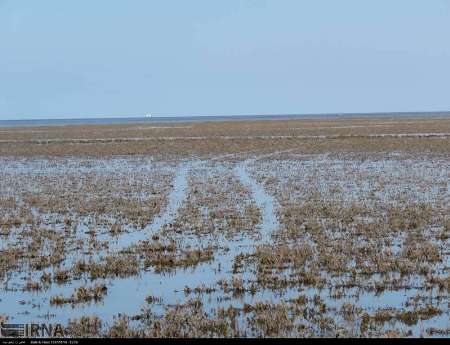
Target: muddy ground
x: 296, y: 228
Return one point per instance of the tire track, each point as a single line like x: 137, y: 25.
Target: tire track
x: 175, y: 199
x: 265, y: 202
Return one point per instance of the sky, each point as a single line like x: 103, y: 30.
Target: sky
x: 113, y: 58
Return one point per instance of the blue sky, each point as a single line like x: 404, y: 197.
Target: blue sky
x: 209, y: 57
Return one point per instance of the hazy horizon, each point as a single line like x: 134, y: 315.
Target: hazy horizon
x: 109, y: 58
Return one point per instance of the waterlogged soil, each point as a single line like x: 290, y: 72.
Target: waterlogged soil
x: 275, y: 244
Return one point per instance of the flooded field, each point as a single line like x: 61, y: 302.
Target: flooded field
x: 265, y: 229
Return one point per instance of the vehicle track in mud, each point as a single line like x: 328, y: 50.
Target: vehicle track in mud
x: 176, y: 198
x: 267, y: 185
x: 265, y: 202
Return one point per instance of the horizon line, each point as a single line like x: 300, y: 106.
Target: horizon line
x: 136, y: 116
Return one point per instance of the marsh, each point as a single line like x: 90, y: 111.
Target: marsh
x: 327, y: 227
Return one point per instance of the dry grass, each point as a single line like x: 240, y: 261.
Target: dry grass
x: 227, y: 137
x: 360, y: 246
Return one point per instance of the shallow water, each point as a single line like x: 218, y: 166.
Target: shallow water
x: 264, y: 201
x: 390, y: 179
x: 175, y: 200
x: 169, y: 119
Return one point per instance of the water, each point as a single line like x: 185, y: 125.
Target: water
x: 174, y: 119
x: 127, y: 295
x: 264, y: 201
x: 176, y: 198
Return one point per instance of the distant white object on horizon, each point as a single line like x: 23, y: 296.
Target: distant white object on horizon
x: 148, y: 115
